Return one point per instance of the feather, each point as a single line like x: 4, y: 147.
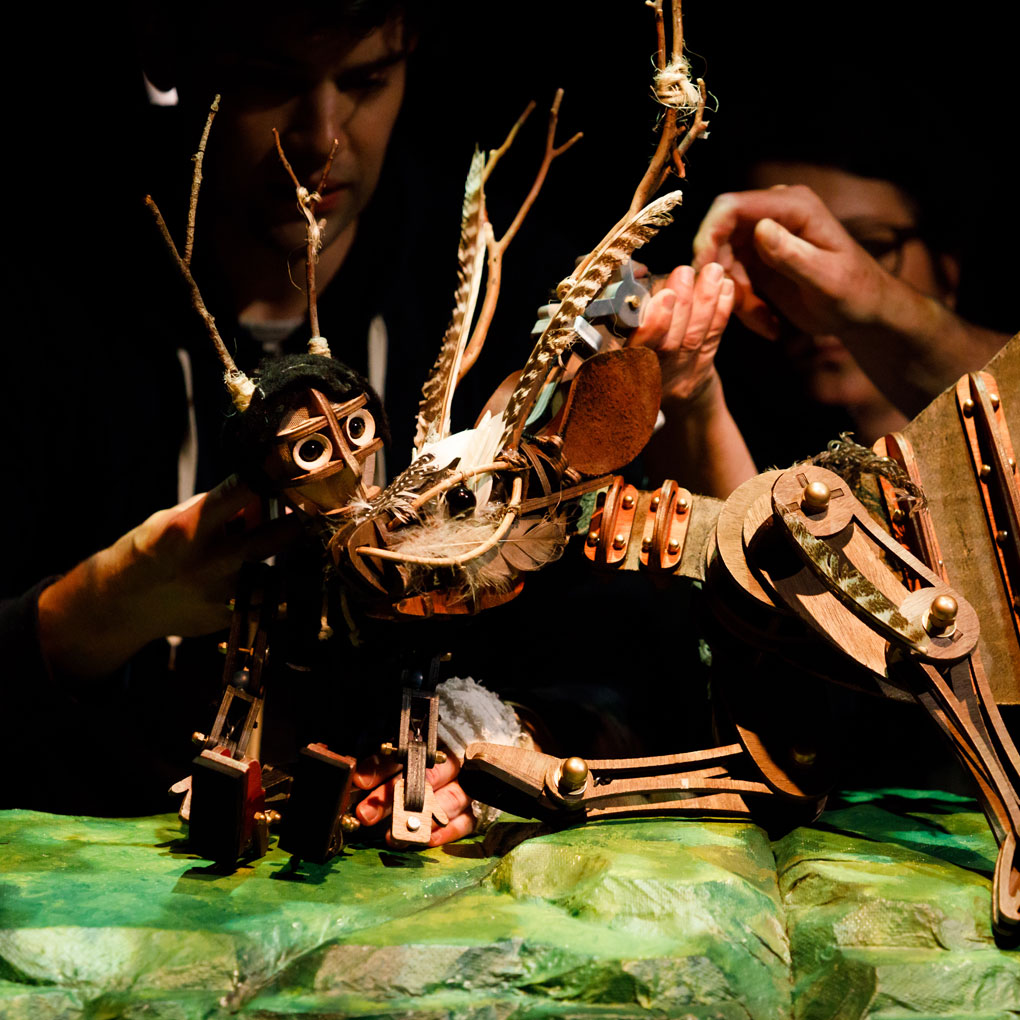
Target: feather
x: 559, y: 334
x: 851, y: 586
x: 397, y: 497
x: 534, y: 542
x: 437, y: 393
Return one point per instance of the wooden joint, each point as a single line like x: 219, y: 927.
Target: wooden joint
x: 665, y: 527
x: 609, y: 533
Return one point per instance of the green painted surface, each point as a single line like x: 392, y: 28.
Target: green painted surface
x: 880, y: 910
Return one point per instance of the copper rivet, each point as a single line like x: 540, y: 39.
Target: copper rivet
x: 968, y: 407
x: 985, y: 471
x: 349, y: 823
x: 941, y: 614
x: 898, y: 516
x: 573, y: 774
x: 593, y: 538
x: 655, y: 503
x: 628, y: 501
x: 682, y: 505
x: 816, y: 496
x: 646, y: 545
x: 1001, y: 536
x: 620, y: 541
x: 993, y: 399
x: 674, y: 546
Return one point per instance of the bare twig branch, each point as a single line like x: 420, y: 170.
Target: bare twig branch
x: 308, y: 202
x: 498, y: 248
x: 678, y: 31
x: 660, y: 34
x: 495, y: 155
x: 697, y: 128
x: 196, y: 181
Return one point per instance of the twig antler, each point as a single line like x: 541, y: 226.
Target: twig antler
x: 196, y: 180
x: 496, y: 249
x: 308, y: 202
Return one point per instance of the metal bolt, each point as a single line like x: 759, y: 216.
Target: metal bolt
x: 968, y: 407
x: 440, y: 757
x: 349, y: 823
x: 816, y: 497
x: 993, y: 399
x: 941, y: 615
x: 898, y: 516
x: 1001, y: 536
x: 413, y: 824
x: 654, y: 503
x: 222, y: 648
x: 682, y: 505
x: 387, y: 748
x: 619, y: 541
x: 628, y: 501
x: 985, y: 471
x: 1012, y: 463
x: 573, y: 774
x: 634, y: 301
x: 646, y: 545
x: 593, y: 538
x: 674, y: 546
x: 198, y: 738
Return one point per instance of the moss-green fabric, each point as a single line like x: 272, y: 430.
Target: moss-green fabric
x: 880, y: 910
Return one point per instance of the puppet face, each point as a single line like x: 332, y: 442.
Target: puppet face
x: 324, y: 453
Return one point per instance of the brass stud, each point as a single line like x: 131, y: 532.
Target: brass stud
x: 968, y: 408
x: 198, y: 739
x: 1001, y: 536
x: 941, y: 615
x: 628, y: 501
x: 440, y: 757
x: 349, y: 823
x: 222, y: 648
x: 573, y: 774
x: 619, y: 541
x: 985, y: 471
x: 993, y: 399
x: 387, y: 749
x: 674, y: 546
x: 816, y: 497
x: 898, y: 516
x: 646, y: 545
x: 682, y: 505
x: 272, y: 817
x: 1012, y: 463
x: 654, y: 503
x: 593, y: 538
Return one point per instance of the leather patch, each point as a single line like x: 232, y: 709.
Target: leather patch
x: 611, y: 409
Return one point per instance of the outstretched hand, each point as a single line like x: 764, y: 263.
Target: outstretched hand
x: 172, y: 574
x: 379, y: 774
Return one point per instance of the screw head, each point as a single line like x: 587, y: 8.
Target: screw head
x: 655, y: 503
x: 1001, y: 536
x: 674, y: 546
x: 573, y: 774
x: 898, y: 516
x: 816, y: 497
x: 985, y: 471
x: 646, y: 545
x: 628, y: 501
x: 941, y: 614
x: 619, y: 540
x: 198, y: 739
x: 593, y: 538
x: 682, y: 505
x: 440, y: 757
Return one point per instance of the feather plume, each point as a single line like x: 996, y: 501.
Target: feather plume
x: 851, y: 586
x: 534, y: 542
x: 437, y: 393
x: 560, y: 334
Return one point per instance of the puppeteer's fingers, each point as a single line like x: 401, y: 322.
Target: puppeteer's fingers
x: 723, y: 310
x: 703, y: 305
x: 223, y: 502
x: 462, y: 825
x: 377, y: 805
x: 788, y: 254
x: 440, y: 775
x: 374, y: 770
x: 453, y: 800
x: 655, y: 318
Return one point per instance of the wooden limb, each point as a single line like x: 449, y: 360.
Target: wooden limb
x: 196, y: 180
x: 698, y: 128
x: 498, y: 248
x: 678, y: 30
x: 495, y: 155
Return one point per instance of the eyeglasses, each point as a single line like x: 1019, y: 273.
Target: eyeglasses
x: 885, y: 245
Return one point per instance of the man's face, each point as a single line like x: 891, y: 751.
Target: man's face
x: 313, y: 88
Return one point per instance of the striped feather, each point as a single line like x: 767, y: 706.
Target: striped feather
x: 852, y: 587
x: 559, y: 334
x: 437, y: 393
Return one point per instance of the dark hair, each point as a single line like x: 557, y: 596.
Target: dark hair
x: 249, y: 436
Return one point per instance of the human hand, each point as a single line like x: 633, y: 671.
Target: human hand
x: 172, y: 574
x: 683, y: 322
x: 786, y: 251
x: 379, y: 775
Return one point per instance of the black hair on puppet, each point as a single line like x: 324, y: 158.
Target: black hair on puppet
x: 281, y: 384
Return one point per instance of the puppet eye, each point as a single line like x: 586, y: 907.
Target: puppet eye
x: 460, y: 501
x: 312, y: 452
x: 360, y: 428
